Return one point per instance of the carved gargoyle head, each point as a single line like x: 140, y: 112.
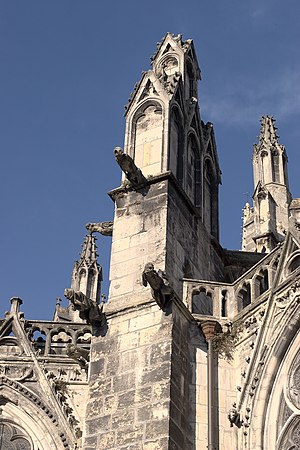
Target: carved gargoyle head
x: 149, y: 267
x: 68, y: 293
x: 118, y: 152
x: 234, y: 417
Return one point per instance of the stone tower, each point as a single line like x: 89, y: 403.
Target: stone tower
x: 266, y: 223
x: 141, y: 368
x: 174, y: 223
x: 198, y: 346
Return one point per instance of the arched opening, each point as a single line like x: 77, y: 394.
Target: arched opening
x: 264, y: 166
x: 13, y: 437
x: 27, y: 419
x: 224, y: 299
x: 275, y: 162
x: 176, y: 148
x: 39, y: 341
x: 82, y: 280
x: 148, y: 138
x: 273, y: 269
x: 202, y: 303
x: 263, y: 281
x: 193, y: 173
x: 285, y: 173
x: 10, y: 345
x: 244, y: 296
x: 190, y: 80
x: 294, y: 264
x: 90, y: 284
x: 290, y: 439
x: 83, y: 339
x: 59, y: 341
x: 210, y: 198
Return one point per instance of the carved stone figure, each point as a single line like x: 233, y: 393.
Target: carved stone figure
x: 161, y: 291
x: 234, y: 417
x: 89, y: 310
x: 132, y: 172
x: 104, y: 228
x: 79, y: 354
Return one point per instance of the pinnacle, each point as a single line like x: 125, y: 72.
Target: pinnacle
x: 89, y: 249
x: 268, y: 130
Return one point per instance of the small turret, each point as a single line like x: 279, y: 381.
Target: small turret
x: 267, y: 223
x: 269, y: 157
x: 86, y: 277
x: 87, y: 273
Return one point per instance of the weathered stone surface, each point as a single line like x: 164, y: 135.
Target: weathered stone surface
x: 148, y: 386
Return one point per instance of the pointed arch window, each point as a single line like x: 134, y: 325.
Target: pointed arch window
x: 12, y: 437
x: 244, y: 296
x: 264, y: 166
x: 191, y: 87
x: 82, y: 279
x: 285, y: 173
x: 193, y: 177
x: 176, y: 147
x: 275, y: 162
x: 294, y: 262
x: 90, y: 283
x: 147, y: 137
x: 263, y: 281
x: 202, y: 302
x: 208, y: 195
x: 224, y: 305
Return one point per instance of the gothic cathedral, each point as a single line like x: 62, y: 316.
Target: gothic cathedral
x: 197, y: 346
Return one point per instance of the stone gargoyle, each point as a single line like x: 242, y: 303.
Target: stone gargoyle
x: 81, y: 355
x: 89, y: 310
x: 234, y: 417
x: 104, y: 228
x: 133, y: 174
x: 161, y: 291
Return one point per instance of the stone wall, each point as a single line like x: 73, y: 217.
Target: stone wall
x: 191, y: 251
x: 140, y: 382
x: 160, y: 226
x: 182, y: 410
x: 139, y: 237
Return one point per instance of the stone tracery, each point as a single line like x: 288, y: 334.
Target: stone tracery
x: 13, y: 438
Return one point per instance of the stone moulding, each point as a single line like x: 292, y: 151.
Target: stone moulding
x: 32, y: 397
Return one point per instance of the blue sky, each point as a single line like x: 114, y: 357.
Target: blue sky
x: 67, y: 69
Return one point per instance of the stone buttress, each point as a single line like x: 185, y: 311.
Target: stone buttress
x: 166, y: 215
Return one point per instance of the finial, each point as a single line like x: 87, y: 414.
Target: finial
x: 16, y: 302
x: 89, y: 248
x: 268, y: 130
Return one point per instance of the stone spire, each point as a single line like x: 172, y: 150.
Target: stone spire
x: 265, y: 225
x: 267, y: 133
x: 86, y: 277
x: 164, y: 132
x: 269, y: 157
x: 89, y: 250
x: 87, y: 273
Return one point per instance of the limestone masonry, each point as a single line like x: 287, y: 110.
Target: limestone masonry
x: 198, y: 347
